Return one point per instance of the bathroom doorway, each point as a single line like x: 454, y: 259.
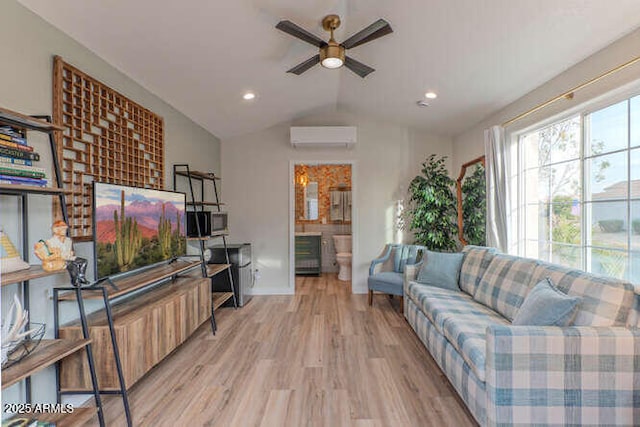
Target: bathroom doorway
x: 321, y: 221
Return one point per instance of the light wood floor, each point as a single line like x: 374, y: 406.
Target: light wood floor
x: 320, y: 358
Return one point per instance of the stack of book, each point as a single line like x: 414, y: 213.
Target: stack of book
x: 17, y: 158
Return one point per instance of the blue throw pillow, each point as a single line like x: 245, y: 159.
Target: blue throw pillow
x: 546, y: 305
x: 441, y: 269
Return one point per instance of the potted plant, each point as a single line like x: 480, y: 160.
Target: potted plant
x: 474, y: 207
x: 432, y: 206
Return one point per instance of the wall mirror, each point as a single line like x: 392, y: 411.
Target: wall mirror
x: 472, y: 203
x: 311, y: 201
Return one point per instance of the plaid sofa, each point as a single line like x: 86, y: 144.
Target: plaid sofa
x: 586, y: 374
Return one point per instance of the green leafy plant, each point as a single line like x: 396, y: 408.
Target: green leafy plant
x: 474, y: 207
x: 635, y: 224
x: 432, y: 209
x: 565, y: 226
x: 565, y: 230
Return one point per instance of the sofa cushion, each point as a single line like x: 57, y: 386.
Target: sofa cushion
x: 476, y: 260
x: 388, y: 282
x: 505, y: 284
x: 437, y: 303
x: 604, y: 301
x: 465, y: 328
x: 441, y: 270
x: 546, y: 305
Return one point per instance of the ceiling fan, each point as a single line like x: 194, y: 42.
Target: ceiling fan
x: 332, y: 53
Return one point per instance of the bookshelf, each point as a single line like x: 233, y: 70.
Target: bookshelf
x: 48, y: 352
x: 201, y: 179
x: 32, y: 273
x: 51, y: 351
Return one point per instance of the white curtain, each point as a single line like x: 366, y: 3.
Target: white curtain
x: 497, y: 158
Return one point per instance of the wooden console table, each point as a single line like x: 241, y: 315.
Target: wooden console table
x: 147, y: 327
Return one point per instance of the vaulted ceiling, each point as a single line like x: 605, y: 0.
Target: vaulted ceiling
x: 202, y: 55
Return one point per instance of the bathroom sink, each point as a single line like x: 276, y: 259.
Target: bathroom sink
x: 308, y: 233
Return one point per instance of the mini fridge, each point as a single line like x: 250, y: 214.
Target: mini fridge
x: 240, y: 260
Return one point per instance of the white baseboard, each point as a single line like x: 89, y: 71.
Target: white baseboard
x: 271, y: 291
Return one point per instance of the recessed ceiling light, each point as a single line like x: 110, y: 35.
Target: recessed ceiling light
x: 249, y: 96
x: 422, y: 103
x: 431, y: 95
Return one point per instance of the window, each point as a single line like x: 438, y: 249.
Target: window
x: 579, y: 181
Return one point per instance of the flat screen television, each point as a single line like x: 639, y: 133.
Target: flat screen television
x: 136, y: 227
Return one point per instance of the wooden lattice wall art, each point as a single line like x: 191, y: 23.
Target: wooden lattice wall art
x: 107, y: 138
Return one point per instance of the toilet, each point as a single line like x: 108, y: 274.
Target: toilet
x: 342, y: 243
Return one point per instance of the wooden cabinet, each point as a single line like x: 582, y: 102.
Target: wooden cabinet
x: 147, y: 327
x: 308, y: 254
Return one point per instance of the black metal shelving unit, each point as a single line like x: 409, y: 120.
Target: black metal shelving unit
x: 42, y: 124
x: 192, y: 176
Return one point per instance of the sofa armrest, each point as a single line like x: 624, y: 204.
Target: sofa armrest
x: 554, y: 375
x: 410, y: 274
x: 378, y: 263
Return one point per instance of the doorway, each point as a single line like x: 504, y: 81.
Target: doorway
x: 322, y: 221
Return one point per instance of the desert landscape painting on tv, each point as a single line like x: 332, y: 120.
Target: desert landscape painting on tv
x: 136, y: 227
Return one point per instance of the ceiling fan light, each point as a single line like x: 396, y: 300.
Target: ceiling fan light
x: 332, y: 63
x: 332, y: 55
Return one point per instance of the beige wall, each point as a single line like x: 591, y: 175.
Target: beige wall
x: 28, y: 46
x: 470, y: 144
x: 255, y: 183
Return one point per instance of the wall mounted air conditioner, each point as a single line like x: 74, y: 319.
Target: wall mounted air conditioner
x: 323, y: 136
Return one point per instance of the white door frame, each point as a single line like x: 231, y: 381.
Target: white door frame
x: 292, y: 215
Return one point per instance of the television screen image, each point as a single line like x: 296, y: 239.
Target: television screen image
x: 136, y: 227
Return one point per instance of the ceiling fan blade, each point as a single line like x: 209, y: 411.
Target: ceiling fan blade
x: 358, y: 67
x: 304, y: 66
x: 299, y: 32
x: 377, y: 29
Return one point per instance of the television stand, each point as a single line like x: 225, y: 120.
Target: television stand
x: 145, y: 328
x: 124, y: 285
x: 112, y: 352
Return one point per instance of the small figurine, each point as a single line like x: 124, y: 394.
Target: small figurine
x: 57, y: 250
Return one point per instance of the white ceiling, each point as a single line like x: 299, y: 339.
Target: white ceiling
x: 202, y: 55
